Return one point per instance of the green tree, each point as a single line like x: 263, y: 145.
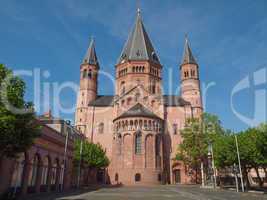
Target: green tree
x: 17, y: 118
x: 93, y: 155
x: 197, y: 135
x: 252, y: 149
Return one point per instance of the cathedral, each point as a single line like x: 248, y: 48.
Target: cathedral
x: 139, y: 126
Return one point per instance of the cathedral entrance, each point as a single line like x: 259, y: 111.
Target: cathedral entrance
x: 177, y: 176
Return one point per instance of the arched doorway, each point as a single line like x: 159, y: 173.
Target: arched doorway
x: 137, y: 177
x: 177, y: 176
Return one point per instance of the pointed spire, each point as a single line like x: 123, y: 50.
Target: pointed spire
x: 188, y: 57
x: 90, y: 56
x: 138, y: 45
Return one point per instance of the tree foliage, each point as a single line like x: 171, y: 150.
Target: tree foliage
x: 93, y: 155
x: 252, y: 149
x: 197, y: 134
x: 17, y: 130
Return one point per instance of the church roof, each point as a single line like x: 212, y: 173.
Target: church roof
x: 138, y: 111
x: 188, y: 57
x: 172, y: 100
x: 90, y: 56
x: 138, y: 46
x: 168, y: 100
x: 103, y: 101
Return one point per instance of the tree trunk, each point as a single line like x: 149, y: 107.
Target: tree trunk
x: 196, y: 175
x: 259, y: 178
x: 265, y: 171
x: 202, y: 175
x: 245, y: 176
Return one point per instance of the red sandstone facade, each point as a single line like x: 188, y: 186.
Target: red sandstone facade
x: 139, y: 126
x: 40, y: 168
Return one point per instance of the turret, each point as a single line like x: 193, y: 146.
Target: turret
x: 190, y: 83
x: 88, y: 83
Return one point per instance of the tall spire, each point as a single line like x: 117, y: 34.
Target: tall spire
x: 188, y: 57
x: 90, y: 56
x: 138, y: 45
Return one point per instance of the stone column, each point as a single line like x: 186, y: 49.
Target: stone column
x: 38, y: 178
x: 49, y: 176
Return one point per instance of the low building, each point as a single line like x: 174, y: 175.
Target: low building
x: 41, y: 168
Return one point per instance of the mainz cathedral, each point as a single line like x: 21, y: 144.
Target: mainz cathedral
x: 139, y: 126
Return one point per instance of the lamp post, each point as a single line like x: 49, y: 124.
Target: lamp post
x: 80, y: 164
x: 80, y: 161
x: 235, y: 170
x: 211, y: 165
x: 239, y: 163
x: 65, y: 154
x: 210, y: 169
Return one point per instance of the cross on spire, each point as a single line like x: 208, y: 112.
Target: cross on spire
x: 138, y: 7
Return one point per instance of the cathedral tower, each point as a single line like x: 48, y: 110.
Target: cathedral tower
x: 138, y: 63
x: 88, y: 85
x: 190, y: 83
x: 137, y: 151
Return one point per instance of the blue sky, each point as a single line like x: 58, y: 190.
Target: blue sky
x: 228, y: 38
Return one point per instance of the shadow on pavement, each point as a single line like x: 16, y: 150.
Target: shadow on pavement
x: 66, y: 194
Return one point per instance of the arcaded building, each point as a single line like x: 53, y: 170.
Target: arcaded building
x: 139, y: 126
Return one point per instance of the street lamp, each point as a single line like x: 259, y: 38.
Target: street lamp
x: 235, y: 171
x: 239, y: 163
x: 65, y: 153
x: 80, y: 161
x: 211, y: 165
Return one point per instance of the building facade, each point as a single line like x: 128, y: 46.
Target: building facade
x: 139, y: 126
x: 41, y: 167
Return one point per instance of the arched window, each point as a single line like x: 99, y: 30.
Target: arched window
x: 45, y: 171
x: 34, y: 171
x: 137, y: 96
x: 153, y: 88
x: 116, y: 177
x: 149, y: 125
x: 174, y: 129
x: 138, y: 143
x: 90, y: 74
x: 145, y: 125
x: 140, y: 124
x: 129, y: 101
x: 192, y: 72
x: 84, y: 73
x: 119, y: 144
x: 18, y: 172
x: 152, y: 103
x: 136, y: 124
x: 122, y: 87
x: 101, y: 128
x: 137, y: 177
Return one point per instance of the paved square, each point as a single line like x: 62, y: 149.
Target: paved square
x: 157, y: 193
